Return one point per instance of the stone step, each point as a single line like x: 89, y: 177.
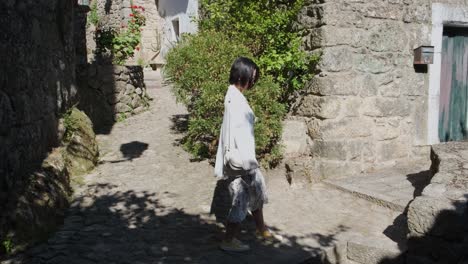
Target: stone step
x: 373, y: 250
x: 393, y: 188
x: 359, y: 249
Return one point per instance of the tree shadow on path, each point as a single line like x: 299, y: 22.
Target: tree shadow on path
x: 108, y: 225
x: 130, y: 151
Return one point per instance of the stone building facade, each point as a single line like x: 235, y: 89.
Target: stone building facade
x: 368, y: 106
x: 166, y: 21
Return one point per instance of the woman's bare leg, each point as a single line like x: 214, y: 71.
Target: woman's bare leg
x: 259, y: 222
x: 232, y: 230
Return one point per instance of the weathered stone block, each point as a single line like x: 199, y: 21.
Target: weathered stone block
x: 386, y: 37
x: 391, y: 89
x: 368, y: 152
x: 313, y: 128
x: 373, y: 250
x: 334, y: 36
x: 346, y: 128
x: 122, y: 108
x: 352, y: 106
x: 385, y: 107
x: 421, y: 152
x: 323, y: 107
x: 386, y: 129
x: 294, y: 137
x: 337, y: 84
x: 373, y: 63
x: 301, y: 171
x: 418, y: 13
x: 354, y: 150
x: 314, y: 39
x: 120, y: 86
x: 413, y: 83
x: 336, y: 16
x: 129, y: 89
x: 382, y: 10
x: 330, y: 150
x: 337, y: 59
x: 392, y: 150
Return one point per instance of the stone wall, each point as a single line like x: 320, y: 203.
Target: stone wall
x: 36, y: 84
x: 109, y: 93
x: 115, y: 14
x: 37, y: 91
x: 367, y: 106
x: 38, y: 206
x: 437, y: 219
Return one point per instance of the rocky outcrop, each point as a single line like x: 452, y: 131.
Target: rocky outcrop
x: 437, y: 220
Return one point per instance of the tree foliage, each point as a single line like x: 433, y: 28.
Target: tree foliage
x: 199, y: 67
x: 266, y: 27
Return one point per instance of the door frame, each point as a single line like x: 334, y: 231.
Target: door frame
x: 443, y: 15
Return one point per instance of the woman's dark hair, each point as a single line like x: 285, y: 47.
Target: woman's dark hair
x: 244, y: 72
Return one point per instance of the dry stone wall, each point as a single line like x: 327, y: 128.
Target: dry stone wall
x: 367, y: 107
x: 109, y: 93
x: 36, y: 84
x: 37, y: 91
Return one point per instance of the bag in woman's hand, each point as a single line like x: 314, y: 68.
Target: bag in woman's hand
x: 232, y: 158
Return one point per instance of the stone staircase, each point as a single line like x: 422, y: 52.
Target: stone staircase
x: 391, y: 188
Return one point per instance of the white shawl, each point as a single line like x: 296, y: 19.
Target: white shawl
x: 239, y: 117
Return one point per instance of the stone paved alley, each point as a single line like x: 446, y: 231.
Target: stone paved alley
x: 147, y: 202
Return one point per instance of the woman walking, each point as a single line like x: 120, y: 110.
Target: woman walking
x: 236, y: 162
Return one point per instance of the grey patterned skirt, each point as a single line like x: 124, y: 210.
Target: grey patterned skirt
x: 239, y: 192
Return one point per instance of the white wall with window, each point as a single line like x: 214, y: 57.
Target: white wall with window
x: 179, y: 17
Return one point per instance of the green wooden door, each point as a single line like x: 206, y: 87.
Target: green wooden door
x: 454, y: 86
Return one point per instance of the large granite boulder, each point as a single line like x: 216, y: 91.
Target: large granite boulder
x: 438, y: 219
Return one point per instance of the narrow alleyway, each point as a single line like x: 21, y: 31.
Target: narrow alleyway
x: 147, y: 202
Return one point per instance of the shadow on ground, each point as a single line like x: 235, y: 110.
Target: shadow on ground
x: 130, y: 151
x: 398, y: 231
x: 110, y: 226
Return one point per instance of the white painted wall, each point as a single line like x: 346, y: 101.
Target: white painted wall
x: 442, y: 15
x: 185, y: 11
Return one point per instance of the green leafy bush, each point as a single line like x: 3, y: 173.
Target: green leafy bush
x: 199, y: 68
x: 8, y: 246
x: 266, y: 27
x: 93, y: 16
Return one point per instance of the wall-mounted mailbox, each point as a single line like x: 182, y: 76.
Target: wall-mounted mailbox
x: 424, y: 55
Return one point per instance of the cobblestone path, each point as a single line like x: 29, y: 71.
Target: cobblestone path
x: 147, y: 202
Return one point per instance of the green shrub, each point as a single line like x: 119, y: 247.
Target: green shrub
x: 266, y: 27
x: 93, y: 16
x: 8, y: 246
x: 199, y: 68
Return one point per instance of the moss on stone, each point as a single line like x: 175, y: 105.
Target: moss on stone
x: 81, y: 151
